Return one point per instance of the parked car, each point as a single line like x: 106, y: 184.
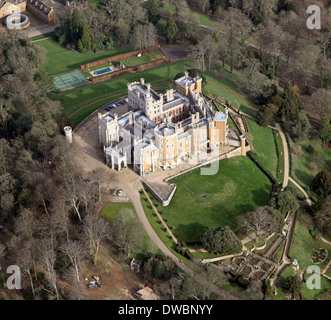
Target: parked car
x: 87, y: 180
x: 119, y: 192
x: 112, y: 191
x: 118, y: 104
x: 122, y: 102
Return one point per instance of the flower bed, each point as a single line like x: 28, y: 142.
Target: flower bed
x: 253, y: 261
x: 238, y: 260
x: 258, y: 275
x: 265, y: 266
x: 319, y: 255
x: 246, y: 271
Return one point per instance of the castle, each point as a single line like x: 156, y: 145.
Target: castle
x: 162, y: 130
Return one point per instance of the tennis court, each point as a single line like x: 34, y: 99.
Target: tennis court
x: 69, y: 80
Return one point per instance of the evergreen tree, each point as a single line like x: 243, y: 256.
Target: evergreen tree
x: 171, y: 29
x: 321, y: 184
x: 325, y: 131
x: 85, y: 41
x: 154, y: 12
x: 222, y: 240
x: 290, y: 106
x: 301, y: 127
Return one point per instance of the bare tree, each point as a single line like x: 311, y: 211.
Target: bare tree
x: 320, y: 99
x: 260, y: 222
x: 102, y: 177
x: 25, y: 260
x: 127, y: 231
x: 71, y: 193
x: 61, y: 211
x: 47, y: 258
x: 76, y: 253
x: 95, y: 230
x: 25, y: 224
x: 198, y: 55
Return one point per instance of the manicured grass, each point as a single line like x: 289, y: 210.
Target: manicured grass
x: 74, y: 99
x: 157, y: 226
x: 81, y: 115
x: 227, y: 80
x: 306, y: 166
x: 303, y: 244
x: 145, y: 58
x: 264, y: 146
x: 301, y: 249
x: 238, y: 187
x: 111, y: 210
x: 42, y: 36
x: 61, y: 60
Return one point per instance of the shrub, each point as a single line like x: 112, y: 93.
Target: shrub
x: 310, y: 149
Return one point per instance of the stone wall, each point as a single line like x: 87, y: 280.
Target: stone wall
x: 118, y: 57
x: 158, y: 197
x: 130, y: 70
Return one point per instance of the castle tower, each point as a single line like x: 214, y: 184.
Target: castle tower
x: 68, y: 133
x: 243, y: 145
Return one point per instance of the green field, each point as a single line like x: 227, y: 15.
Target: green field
x: 238, y: 187
x: 75, y: 98
x: 302, y: 246
x: 111, y: 210
x: 61, y: 60
x: 264, y: 146
x: 227, y: 80
x: 306, y: 166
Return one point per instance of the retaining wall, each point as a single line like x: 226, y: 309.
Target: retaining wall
x: 118, y: 57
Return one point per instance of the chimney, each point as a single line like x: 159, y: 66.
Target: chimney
x: 131, y: 118
x: 170, y: 95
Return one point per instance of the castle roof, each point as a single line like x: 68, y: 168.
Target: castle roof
x: 44, y: 7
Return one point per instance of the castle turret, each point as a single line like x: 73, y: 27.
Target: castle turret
x: 68, y: 133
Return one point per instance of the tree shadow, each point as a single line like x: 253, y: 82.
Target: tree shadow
x: 303, y: 177
x: 189, y: 232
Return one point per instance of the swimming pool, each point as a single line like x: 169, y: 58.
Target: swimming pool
x: 102, y: 71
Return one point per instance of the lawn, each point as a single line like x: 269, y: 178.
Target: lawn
x: 238, y: 187
x: 303, y: 244
x: 111, y: 210
x: 61, y: 60
x: 264, y: 146
x: 81, y: 96
x: 306, y: 166
x: 228, y: 91
x: 144, y: 58
x: 301, y: 249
